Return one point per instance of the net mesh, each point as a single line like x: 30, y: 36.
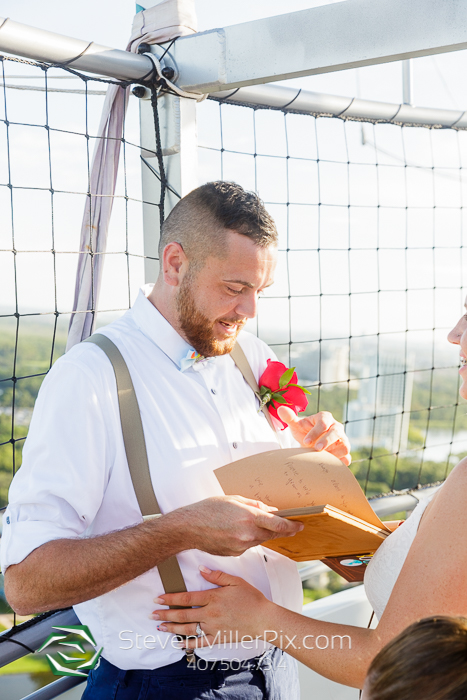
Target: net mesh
x: 369, y: 281
x: 371, y: 222
x: 48, y: 123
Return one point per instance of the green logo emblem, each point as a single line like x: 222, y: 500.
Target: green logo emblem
x: 74, y: 632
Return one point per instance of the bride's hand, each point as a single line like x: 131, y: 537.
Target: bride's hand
x: 235, y: 607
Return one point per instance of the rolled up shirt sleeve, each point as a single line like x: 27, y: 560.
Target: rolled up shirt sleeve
x: 66, y: 464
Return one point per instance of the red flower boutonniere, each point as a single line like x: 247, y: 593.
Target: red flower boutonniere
x: 278, y: 387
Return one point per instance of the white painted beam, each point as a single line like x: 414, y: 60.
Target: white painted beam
x: 319, y: 40
x: 407, y: 82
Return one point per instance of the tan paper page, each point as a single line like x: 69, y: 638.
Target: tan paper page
x: 296, y: 478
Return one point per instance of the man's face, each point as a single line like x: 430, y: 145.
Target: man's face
x: 214, y: 304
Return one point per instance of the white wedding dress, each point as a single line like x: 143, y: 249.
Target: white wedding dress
x: 385, y: 566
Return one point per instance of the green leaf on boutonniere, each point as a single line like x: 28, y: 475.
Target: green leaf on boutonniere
x: 264, y: 390
x: 286, y: 377
x: 301, y: 387
x: 278, y: 398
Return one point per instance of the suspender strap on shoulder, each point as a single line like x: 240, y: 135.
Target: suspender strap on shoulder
x: 240, y: 359
x: 136, y: 453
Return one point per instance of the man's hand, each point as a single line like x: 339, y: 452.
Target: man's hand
x: 91, y: 567
x: 229, y: 525
x: 320, y: 432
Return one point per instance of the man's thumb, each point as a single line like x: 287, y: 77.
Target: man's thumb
x: 218, y: 578
x: 286, y: 414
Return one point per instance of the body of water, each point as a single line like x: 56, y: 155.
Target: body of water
x: 438, y: 445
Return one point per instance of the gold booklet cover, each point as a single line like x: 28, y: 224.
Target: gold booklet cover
x: 315, y: 488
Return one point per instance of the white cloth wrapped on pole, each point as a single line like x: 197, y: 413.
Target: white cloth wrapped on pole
x: 163, y: 22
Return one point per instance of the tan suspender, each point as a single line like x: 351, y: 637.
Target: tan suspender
x: 135, y: 448
x: 135, y: 444
x: 239, y: 357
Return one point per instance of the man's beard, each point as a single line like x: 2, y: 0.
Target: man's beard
x: 198, y: 329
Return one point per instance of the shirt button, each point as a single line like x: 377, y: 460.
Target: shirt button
x: 234, y: 445
x: 213, y: 391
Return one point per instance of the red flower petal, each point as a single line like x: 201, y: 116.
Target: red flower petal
x: 272, y: 374
x: 297, y: 398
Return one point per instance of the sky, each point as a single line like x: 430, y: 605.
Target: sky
x: 112, y: 19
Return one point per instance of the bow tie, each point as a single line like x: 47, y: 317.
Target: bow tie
x: 192, y: 358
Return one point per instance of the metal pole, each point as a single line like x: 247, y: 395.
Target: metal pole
x: 33, y: 636
x: 57, y: 689
x: 396, y: 503
x: 296, y: 101
x: 407, y: 76
x: 320, y: 104
x: 177, y: 119
x: 40, y: 45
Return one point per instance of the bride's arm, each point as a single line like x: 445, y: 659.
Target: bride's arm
x: 432, y: 581
x: 328, y: 648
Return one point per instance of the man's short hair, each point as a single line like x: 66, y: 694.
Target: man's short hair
x: 199, y: 222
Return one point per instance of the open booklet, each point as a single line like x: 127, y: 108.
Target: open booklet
x: 317, y: 489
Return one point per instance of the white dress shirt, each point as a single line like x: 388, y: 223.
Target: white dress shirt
x: 75, y: 481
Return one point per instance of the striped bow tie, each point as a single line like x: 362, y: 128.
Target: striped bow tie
x: 192, y: 358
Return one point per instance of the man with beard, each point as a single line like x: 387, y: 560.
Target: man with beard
x: 74, y: 533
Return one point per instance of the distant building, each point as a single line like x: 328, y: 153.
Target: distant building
x: 321, y: 363
x: 335, y: 365
x: 380, y: 414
